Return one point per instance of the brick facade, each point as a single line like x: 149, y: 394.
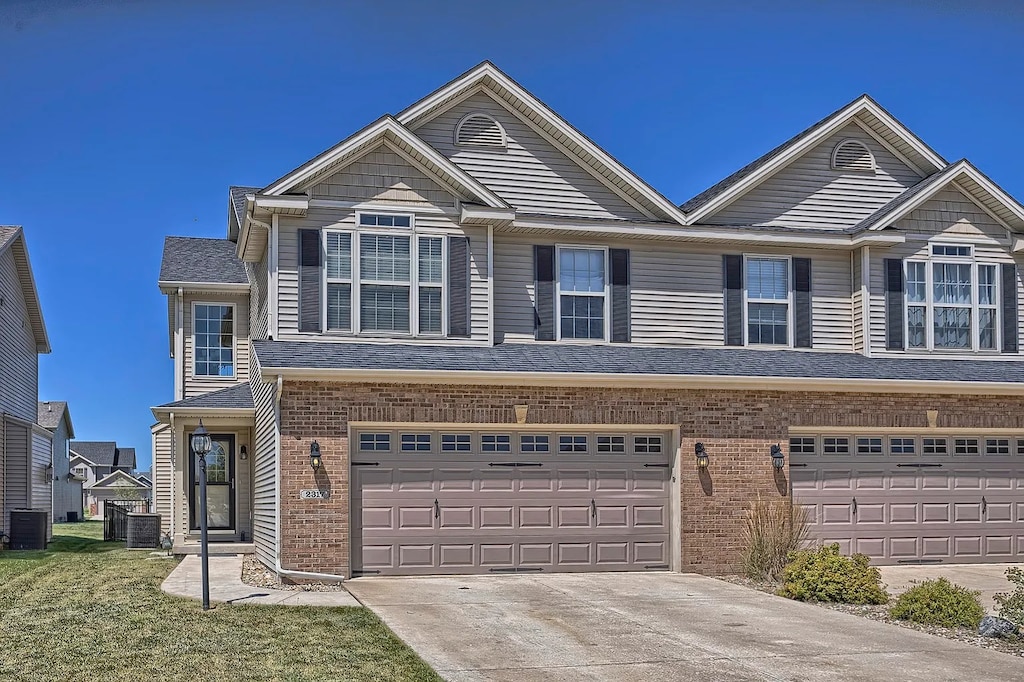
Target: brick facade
x: 737, y: 428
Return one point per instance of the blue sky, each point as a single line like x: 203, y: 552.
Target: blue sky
x: 123, y: 122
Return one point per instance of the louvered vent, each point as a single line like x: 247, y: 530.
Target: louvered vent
x: 480, y: 130
x: 851, y: 155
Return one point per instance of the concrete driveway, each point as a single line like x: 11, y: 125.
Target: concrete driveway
x: 986, y: 578
x: 661, y: 626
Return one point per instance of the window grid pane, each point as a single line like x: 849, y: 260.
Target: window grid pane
x: 214, y: 340
x: 768, y: 323
x: 456, y: 442
x: 902, y: 446
x: 430, y: 260
x: 430, y: 310
x: 384, y: 258
x: 802, y: 446
x: 581, y: 270
x: 339, y: 255
x: 965, y: 446
x: 869, y: 446
x: 934, y: 446
x: 415, y: 442
x: 611, y: 443
x: 647, y: 445
x: 582, y: 317
x: 768, y: 278
x: 496, y: 443
x: 384, y: 308
x: 572, y: 443
x: 836, y: 446
x: 381, y: 220
x: 534, y: 444
x: 997, y: 446
x: 339, y: 307
x: 374, y: 442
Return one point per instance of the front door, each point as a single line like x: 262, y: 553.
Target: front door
x: 220, y: 485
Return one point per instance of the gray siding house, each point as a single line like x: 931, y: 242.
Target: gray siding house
x: 106, y: 471
x: 55, y: 417
x: 25, y: 447
x: 466, y: 339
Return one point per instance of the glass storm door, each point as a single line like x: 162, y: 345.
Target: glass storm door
x: 220, y: 485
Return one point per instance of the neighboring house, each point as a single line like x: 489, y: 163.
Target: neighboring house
x: 508, y: 349
x: 55, y: 417
x: 25, y: 447
x: 145, y: 479
x: 119, y: 487
x: 93, y: 462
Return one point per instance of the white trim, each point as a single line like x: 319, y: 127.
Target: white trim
x: 930, y: 305
x: 838, y: 121
x: 281, y: 202
x: 168, y: 287
x: 376, y: 207
x: 974, y: 200
x: 472, y: 212
x: 112, y: 474
x: 272, y: 302
x: 479, y: 114
x: 605, y: 295
x: 179, y: 345
x: 490, y: 289
x: 84, y: 459
x: 865, y: 298
x: 234, y: 343
x: 633, y: 380
x: 163, y: 413
x: 851, y: 141
x: 889, y: 148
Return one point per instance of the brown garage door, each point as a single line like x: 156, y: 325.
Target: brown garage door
x: 429, y: 501
x: 914, y: 499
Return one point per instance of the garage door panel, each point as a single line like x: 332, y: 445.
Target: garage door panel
x: 536, y: 517
x: 574, y: 480
x: 536, y: 481
x: 497, y: 517
x: 416, y: 556
x: 573, y: 517
x: 612, y: 517
x: 936, y: 548
x: 837, y: 479
x: 996, y: 512
x: 496, y: 554
x: 412, y: 480
x: 609, y: 480
x: 612, y: 553
x: 967, y: 546
x: 650, y: 552
x: 456, y: 556
x: 456, y: 480
x: 649, y: 516
x: 936, y: 512
x: 650, y: 480
x: 415, y: 517
x: 378, y: 518
x: 574, y: 553
x: 872, y: 546
x: 904, y: 513
x: 967, y: 512
x: 865, y: 480
x: 378, y: 556
x: 500, y: 480
x: 967, y: 480
x: 871, y: 513
x: 457, y: 517
x: 836, y: 513
x: 999, y: 545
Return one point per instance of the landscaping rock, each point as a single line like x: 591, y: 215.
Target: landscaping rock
x: 993, y: 626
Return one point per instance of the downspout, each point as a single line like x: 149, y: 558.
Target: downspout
x: 174, y: 490
x: 865, y: 298
x: 490, y: 286
x: 277, y: 497
x: 179, y: 343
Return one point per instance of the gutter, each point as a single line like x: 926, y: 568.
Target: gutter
x: 680, y: 381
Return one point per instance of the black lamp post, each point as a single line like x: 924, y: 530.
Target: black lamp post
x: 201, y: 445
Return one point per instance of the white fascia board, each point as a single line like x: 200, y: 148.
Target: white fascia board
x: 167, y: 287
x: 839, y: 119
x: 488, y: 70
x: 1009, y: 202
x: 667, y: 381
x: 19, y: 249
x: 84, y: 459
x: 487, y: 213
x: 711, y: 234
x: 163, y: 414
x: 271, y: 203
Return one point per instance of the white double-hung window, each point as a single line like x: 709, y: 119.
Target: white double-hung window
x: 952, y: 301
x: 582, y: 293
x: 767, y: 292
x: 385, y: 281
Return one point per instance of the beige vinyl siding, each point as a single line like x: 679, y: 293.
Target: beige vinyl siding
x: 16, y: 470
x: 259, y: 313
x: 531, y: 174
x: 163, y: 474
x: 243, y: 484
x: 199, y: 385
x: 67, y: 495
x: 41, y: 476
x: 19, y: 362
x: 948, y: 216
x: 676, y: 294
x: 857, y: 302
x: 263, y: 455
x: 808, y: 193
x: 382, y: 175
x: 435, y: 223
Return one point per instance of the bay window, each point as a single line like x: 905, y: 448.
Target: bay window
x: 952, y: 301
x: 582, y: 294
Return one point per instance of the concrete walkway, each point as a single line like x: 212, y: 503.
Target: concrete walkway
x: 654, y: 626
x: 986, y: 578
x: 226, y: 586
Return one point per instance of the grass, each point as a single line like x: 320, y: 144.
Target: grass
x: 85, y: 609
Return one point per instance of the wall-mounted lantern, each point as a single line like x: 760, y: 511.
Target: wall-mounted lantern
x: 314, y: 456
x: 702, y: 456
x: 244, y: 453
x: 778, y: 459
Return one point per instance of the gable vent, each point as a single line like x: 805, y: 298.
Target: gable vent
x: 851, y: 155
x: 480, y: 130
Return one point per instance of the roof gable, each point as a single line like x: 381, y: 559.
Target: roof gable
x: 974, y: 184
x: 49, y: 415
x: 118, y: 479
x: 487, y: 77
x: 400, y: 140
x: 383, y: 174
x: 12, y: 238
x: 99, y: 453
x: 864, y: 111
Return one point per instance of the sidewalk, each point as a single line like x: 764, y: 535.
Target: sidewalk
x: 226, y: 586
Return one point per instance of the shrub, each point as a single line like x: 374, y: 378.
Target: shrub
x: 1011, y: 605
x: 772, y: 529
x: 826, y: 575
x: 939, y: 602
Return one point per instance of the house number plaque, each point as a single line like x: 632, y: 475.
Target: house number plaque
x: 309, y: 494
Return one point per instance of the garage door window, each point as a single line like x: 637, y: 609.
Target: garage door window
x: 802, y: 446
x: 496, y: 443
x: 836, y: 446
x: 456, y: 442
x: 534, y: 444
x: 572, y: 443
x: 902, y: 446
x: 415, y: 442
x: 869, y: 446
x: 375, y: 442
x: 647, y: 445
x: 611, y: 444
x: 934, y: 446
x: 1020, y: 447
x: 997, y: 446
x: 966, y: 446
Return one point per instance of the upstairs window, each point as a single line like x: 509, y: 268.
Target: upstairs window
x: 339, y: 281
x: 384, y: 283
x: 767, y: 300
x: 214, y: 340
x: 952, y: 301
x: 582, y: 294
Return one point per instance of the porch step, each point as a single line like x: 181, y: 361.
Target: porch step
x: 216, y: 548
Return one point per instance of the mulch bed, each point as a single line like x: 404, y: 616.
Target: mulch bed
x: 256, y: 574
x: 880, y: 612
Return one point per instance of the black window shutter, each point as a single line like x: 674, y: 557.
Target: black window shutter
x: 732, y: 269
x: 1009, y: 306
x: 458, y: 286
x: 619, y: 267
x: 894, y: 304
x: 309, y: 281
x: 802, y: 303
x: 544, y: 292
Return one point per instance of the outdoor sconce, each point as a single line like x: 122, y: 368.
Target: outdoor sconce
x: 702, y: 456
x: 778, y: 459
x: 244, y: 453
x: 314, y: 456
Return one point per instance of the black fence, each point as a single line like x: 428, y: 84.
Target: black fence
x: 115, y: 517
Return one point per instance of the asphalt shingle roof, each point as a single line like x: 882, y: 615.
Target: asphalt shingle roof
x: 237, y: 194
x: 613, y: 359
x: 239, y: 396
x: 7, y: 233
x: 100, y: 453
x: 48, y: 414
x: 197, y: 259
x: 125, y: 458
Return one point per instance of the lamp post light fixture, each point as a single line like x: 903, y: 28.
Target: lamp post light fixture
x: 314, y: 456
x: 702, y: 456
x: 201, y: 445
x: 778, y: 459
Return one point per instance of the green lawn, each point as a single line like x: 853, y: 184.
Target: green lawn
x: 91, y: 610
